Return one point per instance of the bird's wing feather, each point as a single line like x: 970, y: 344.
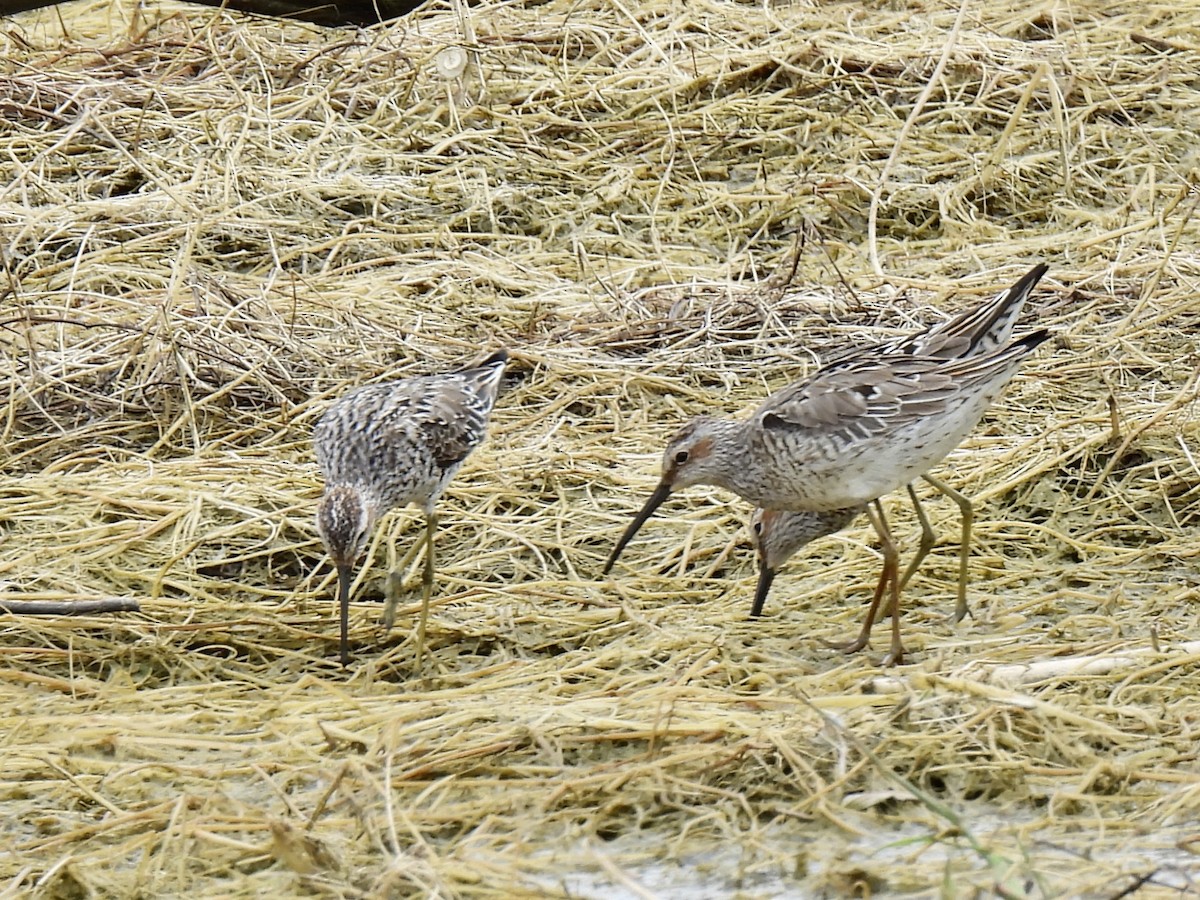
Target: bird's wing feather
x: 860, y: 398
x: 452, y: 423
x: 975, y: 330
x: 457, y: 410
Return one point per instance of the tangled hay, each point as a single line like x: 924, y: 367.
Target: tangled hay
x: 211, y: 225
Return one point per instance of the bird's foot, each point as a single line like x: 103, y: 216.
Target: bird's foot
x: 961, y: 611
x: 895, y: 657
x: 847, y: 647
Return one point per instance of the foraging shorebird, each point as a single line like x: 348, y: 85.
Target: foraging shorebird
x: 391, y: 444
x: 857, y: 429
x: 779, y: 534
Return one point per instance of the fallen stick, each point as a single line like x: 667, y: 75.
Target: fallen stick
x: 68, y: 607
x: 1015, y: 675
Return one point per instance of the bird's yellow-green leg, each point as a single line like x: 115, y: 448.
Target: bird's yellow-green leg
x: 927, y: 538
x: 891, y: 569
x: 426, y: 587
x: 964, y: 551
x: 393, y: 585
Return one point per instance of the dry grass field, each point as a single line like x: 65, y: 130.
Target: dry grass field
x: 211, y: 225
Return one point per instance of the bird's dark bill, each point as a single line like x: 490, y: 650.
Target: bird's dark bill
x: 765, y: 576
x: 345, y: 577
x: 661, y: 493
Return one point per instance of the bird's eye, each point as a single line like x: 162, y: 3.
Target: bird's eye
x: 758, y: 527
x: 681, y: 457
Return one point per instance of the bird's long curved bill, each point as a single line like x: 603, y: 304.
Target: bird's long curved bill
x: 661, y: 493
x: 345, y: 577
x: 765, y: 576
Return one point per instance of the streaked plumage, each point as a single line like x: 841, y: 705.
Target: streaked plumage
x: 391, y: 444
x: 857, y: 429
x: 975, y: 331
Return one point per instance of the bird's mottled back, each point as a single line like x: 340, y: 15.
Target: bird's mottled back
x: 401, y: 441
x: 877, y: 396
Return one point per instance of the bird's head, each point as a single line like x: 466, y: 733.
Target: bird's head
x: 689, y: 458
x: 344, y: 520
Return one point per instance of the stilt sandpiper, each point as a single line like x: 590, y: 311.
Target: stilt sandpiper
x: 779, y: 534
x: 391, y: 444
x: 857, y: 429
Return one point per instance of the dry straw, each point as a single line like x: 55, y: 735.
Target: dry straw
x: 211, y: 225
